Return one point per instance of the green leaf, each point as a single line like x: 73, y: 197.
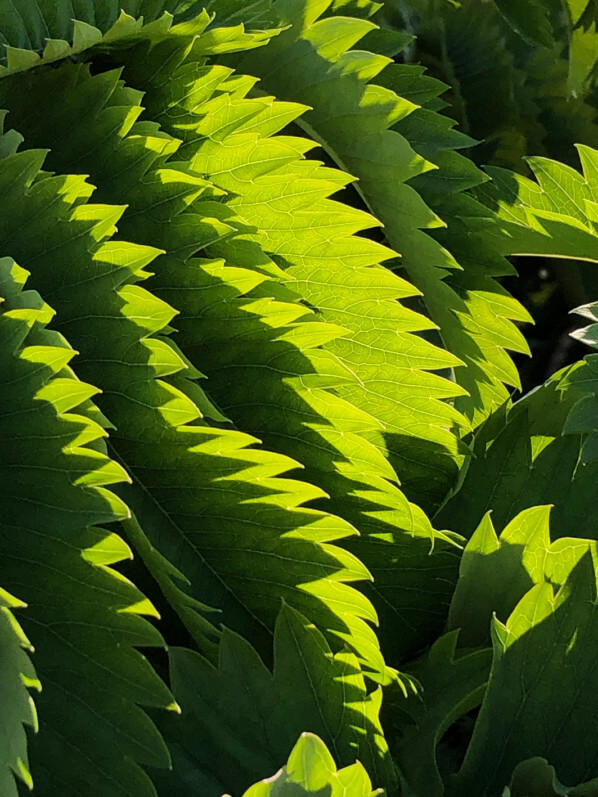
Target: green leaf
x: 582, y: 43
x: 452, y: 683
x: 41, y: 32
x: 496, y: 573
x: 529, y: 19
x: 385, y: 164
x: 261, y: 714
x: 575, y: 9
x: 240, y: 288
x: 311, y: 770
x: 410, y: 155
x: 17, y: 676
x: 582, y: 417
x: 589, y: 334
x: 553, y: 216
x: 178, y: 211
x: 583, y: 57
x: 306, y: 418
x: 528, y: 460
x: 536, y: 778
x: 543, y: 657
x: 184, y: 470
x: 83, y: 619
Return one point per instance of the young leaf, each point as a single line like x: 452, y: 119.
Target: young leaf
x: 311, y: 769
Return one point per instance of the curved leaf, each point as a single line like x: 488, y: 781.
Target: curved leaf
x: 93, y: 735
x: 311, y: 769
x: 543, y: 656
x: 17, y: 676
x: 261, y: 714
x: 209, y: 505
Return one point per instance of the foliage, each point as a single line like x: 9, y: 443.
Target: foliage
x: 311, y: 770
x: 268, y: 493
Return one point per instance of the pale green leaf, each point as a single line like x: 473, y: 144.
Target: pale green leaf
x: 311, y: 770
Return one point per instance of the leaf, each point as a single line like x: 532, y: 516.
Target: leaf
x: 452, y: 683
x: 311, y: 770
x: 582, y: 43
x: 530, y: 20
x: 336, y: 70
x: 576, y: 9
x: 536, y: 778
x: 589, y: 334
x: 329, y: 434
x: 409, y: 158
x: 551, y: 217
x: 36, y: 33
x: 304, y: 419
x: 583, y: 57
x: 582, y: 417
x: 177, y: 212
x: 262, y: 713
x: 528, y: 461
x: 55, y: 488
x: 17, y: 675
x: 215, y: 522
x: 496, y: 573
x: 543, y: 656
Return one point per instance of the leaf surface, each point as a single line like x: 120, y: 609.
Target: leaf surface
x: 529, y: 19
x: 56, y: 486
x: 261, y: 714
x: 310, y: 770
x: 543, y: 655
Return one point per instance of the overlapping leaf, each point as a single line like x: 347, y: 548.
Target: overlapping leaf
x: 303, y: 417
x: 555, y: 216
x: 17, y: 676
x: 184, y: 473
x: 523, y: 459
x: 309, y: 62
x: 173, y: 213
x: 497, y: 583
x: 496, y: 572
x: 329, y: 430
x: 452, y: 683
x: 309, y: 770
x: 240, y: 719
x: 81, y: 617
x: 535, y: 457
x: 38, y: 31
x: 543, y: 657
x: 315, y: 358
x: 398, y: 143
